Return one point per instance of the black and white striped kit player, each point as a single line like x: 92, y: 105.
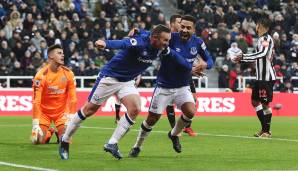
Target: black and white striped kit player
x: 263, y: 58
x: 265, y: 73
x: 262, y: 89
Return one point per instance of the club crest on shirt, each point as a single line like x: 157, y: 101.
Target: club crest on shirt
x: 193, y: 51
x: 63, y: 79
x: 133, y: 41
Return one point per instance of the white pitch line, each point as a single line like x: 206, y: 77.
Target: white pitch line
x: 205, y: 134
x: 25, y: 166
x: 202, y: 134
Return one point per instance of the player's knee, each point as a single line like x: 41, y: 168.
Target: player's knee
x: 189, y: 115
x: 134, y: 110
x: 40, y: 140
x: 90, y: 109
x: 188, y: 110
x: 268, y: 111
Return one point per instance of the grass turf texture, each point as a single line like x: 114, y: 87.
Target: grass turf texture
x: 204, y: 152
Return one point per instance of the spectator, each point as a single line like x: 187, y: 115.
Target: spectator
x: 110, y: 8
x: 223, y: 77
x: 233, y: 51
x: 249, y: 25
x: 15, y: 37
x: 17, y: 71
x: 233, y: 83
x: 287, y: 87
x: 36, y: 40
x: 37, y: 60
x: 14, y: 23
x: 26, y: 61
x: 294, y: 73
x: 4, y: 49
x: 28, y: 22
x: 215, y: 46
x: 242, y: 44
x: 294, y: 49
x: 230, y: 17
x: 108, y: 31
x: 92, y: 70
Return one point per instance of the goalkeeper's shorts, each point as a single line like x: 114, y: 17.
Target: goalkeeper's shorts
x: 58, y: 119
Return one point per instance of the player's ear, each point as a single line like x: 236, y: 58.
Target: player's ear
x: 50, y: 55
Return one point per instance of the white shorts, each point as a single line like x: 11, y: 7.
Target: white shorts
x: 162, y: 97
x: 107, y: 86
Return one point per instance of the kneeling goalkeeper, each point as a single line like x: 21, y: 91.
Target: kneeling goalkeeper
x: 54, y: 97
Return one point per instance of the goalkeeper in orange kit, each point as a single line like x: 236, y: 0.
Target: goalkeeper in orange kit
x: 54, y: 98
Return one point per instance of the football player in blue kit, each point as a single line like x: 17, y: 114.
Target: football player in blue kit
x: 173, y: 84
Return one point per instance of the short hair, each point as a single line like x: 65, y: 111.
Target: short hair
x: 264, y: 20
x: 160, y: 29
x: 189, y: 18
x: 53, y: 47
x: 174, y: 17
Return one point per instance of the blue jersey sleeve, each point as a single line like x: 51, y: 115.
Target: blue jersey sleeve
x: 144, y: 32
x: 180, y: 60
x: 124, y: 43
x: 205, y: 54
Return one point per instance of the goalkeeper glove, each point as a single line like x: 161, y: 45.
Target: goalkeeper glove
x: 37, y: 133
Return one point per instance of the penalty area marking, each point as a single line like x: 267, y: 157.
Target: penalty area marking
x: 25, y: 166
x: 206, y: 134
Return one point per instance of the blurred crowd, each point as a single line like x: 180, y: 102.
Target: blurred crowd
x: 28, y: 27
x: 228, y: 27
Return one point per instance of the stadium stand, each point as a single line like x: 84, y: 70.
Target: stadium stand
x: 28, y: 27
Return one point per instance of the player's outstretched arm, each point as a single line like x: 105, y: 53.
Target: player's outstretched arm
x: 178, y: 58
x: 266, y: 45
x: 204, y: 53
x: 138, y: 31
x: 100, y: 44
x: 119, y: 44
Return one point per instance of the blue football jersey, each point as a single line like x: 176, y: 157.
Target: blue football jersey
x: 171, y: 74
x: 137, y: 55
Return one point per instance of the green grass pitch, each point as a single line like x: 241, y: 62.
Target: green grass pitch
x: 223, y: 143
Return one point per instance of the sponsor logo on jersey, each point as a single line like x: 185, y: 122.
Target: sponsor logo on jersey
x: 191, y: 60
x: 55, y: 90
x: 178, y: 50
x: 148, y: 61
x: 193, y: 51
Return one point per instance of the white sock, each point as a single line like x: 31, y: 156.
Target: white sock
x: 73, y: 125
x: 180, y: 124
x: 122, y: 128
x: 143, y: 134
